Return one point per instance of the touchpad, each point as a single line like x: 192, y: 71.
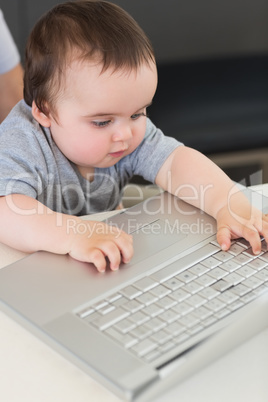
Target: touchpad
x: 154, y: 237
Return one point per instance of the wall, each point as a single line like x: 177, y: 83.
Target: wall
x: 178, y: 29
x: 213, y: 59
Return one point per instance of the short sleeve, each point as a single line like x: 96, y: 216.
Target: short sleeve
x: 150, y: 155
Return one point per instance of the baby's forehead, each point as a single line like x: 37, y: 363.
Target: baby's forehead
x: 77, y: 61
x: 95, y: 67
x: 85, y: 80
x: 81, y: 73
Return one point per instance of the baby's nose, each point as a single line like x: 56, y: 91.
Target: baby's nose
x: 123, y: 133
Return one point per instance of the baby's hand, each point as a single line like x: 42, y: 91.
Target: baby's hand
x: 241, y: 220
x: 96, y: 241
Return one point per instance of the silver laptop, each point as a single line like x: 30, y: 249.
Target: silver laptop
x: 179, y: 304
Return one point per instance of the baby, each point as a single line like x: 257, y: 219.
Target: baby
x: 82, y: 131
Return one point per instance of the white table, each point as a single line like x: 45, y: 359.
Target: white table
x: 30, y: 371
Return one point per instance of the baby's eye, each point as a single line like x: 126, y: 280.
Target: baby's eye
x: 101, y: 123
x: 137, y: 115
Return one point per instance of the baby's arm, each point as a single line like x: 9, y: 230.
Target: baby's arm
x: 196, y: 179
x: 29, y: 226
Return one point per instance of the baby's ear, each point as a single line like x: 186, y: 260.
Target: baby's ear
x: 40, y: 116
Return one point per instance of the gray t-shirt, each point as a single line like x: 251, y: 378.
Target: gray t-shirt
x: 32, y: 164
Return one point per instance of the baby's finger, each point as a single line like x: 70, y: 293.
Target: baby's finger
x: 96, y: 257
x: 124, y: 242
x: 125, y: 245
x: 113, y: 254
x: 224, y: 237
x: 252, y: 235
x: 263, y: 229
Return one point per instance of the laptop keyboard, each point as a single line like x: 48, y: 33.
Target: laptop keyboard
x: 157, y: 313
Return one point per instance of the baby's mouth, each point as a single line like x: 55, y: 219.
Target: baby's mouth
x: 117, y: 154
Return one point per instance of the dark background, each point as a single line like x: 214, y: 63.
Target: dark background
x: 212, y: 60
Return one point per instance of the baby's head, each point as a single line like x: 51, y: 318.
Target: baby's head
x: 95, y: 31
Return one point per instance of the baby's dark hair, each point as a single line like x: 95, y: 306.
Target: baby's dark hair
x: 87, y: 30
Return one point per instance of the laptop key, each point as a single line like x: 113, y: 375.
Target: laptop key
x: 175, y: 328
x: 169, y: 316
x: 240, y: 289
x: 109, y: 319
x: 153, y: 310
x: 139, y: 318
x: 246, y: 271
x: 100, y: 305
x: 156, y: 312
x: 260, y: 290
x: 144, y: 347
x: 196, y: 300
x: 243, y: 242
x: 193, y: 287
x: 223, y: 256
x: 130, y: 292
x: 146, y: 298
x: 133, y: 306
x: 124, y: 326
x: 152, y: 355
x: 161, y: 337
x: 145, y: 284
x: 235, y: 305
x: 222, y: 313
x: 189, y: 320
x: 249, y: 253
x: 160, y: 291
x: 126, y: 340
x: 166, y: 347
x: 186, y: 276
x: 166, y: 302
x: 236, y: 249
x: 202, y: 313
x: 106, y: 309
x: 179, y: 266
x: 208, y: 293
x: 221, y: 285
x: 179, y: 295
x: 242, y: 259
x: 217, y: 273
x: 141, y: 332
x: 263, y: 274
x: 183, y: 308
x: 155, y: 324
x: 230, y: 266
x: 210, y: 262
x: 215, y: 304
x: 257, y: 264
x: 206, y: 280
x: 228, y: 297
x: 252, y: 282
x: 84, y: 313
x: 173, y: 284
x: 195, y: 329
x: 264, y: 257
x: 199, y: 269
x: 233, y: 278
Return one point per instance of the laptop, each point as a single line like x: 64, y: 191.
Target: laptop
x: 177, y: 306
